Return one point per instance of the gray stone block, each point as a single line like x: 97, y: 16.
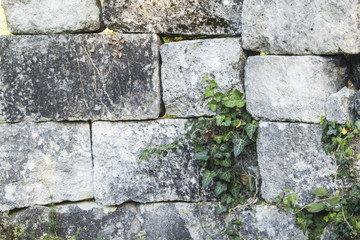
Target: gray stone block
x: 292, y: 88
x: 174, y: 17
x: 119, y: 174
x: 39, y: 160
x: 291, y: 156
x: 52, y: 16
x: 185, y: 63
x: 79, y: 77
x: 301, y: 27
x: 340, y: 106
x: 161, y: 221
x: 357, y: 104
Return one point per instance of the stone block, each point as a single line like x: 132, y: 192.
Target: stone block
x: 355, y: 63
x: 79, y: 77
x: 291, y: 156
x: 39, y: 160
x: 161, y: 221
x: 339, y: 106
x: 292, y: 88
x: 52, y: 16
x: 357, y: 104
x: 174, y: 17
x: 119, y: 174
x: 185, y: 63
x: 301, y: 27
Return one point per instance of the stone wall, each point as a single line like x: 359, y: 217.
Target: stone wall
x: 78, y: 107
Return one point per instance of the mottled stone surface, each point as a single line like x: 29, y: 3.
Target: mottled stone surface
x: 161, y: 221
x: 339, y: 106
x: 301, y: 27
x: 42, y: 160
x: 291, y: 156
x: 79, y: 77
x: 185, y: 63
x: 355, y: 63
x: 52, y: 16
x: 357, y: 104
x: 174, y: 17
x: 119, y: 174
x: 292, y: 88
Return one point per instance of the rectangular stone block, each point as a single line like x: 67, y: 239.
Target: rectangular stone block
x: 39, y: 160
x: 292, y: 88
x: 291, y: 156
x: 301, y: 27
x: 185, y: 63
x: 174, y: 17
x: 119, y: 174
x: 79, y: 77
x: 52, y: 16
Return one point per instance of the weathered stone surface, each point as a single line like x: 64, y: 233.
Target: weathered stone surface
x: 291, y: 156
x: 174, y: 17
x: 119, y: 174
x: 42, y: 160
x: 355, y: 62
x: 339, y: 106
x: 284, y: 88
x: 357, y: 103
x: 301, y: 27
x: 52, y: 16
x: 161, y: 221
x: 185, y: 63
x: 79, y: 77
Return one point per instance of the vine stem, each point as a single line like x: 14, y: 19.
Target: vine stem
x: 342, y: 207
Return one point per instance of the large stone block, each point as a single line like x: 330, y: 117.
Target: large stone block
x: 174, y: 17
x: 79, y: 77
x: 292, y: 88
x: 52, y: 16
x: 42, y: 160
x: 185, y: 63
x: 340, y: 106
x: 119, y: 174
x: 291, y: 156
x: 301, y: 27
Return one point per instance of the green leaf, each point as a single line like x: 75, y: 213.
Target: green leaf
x: 292, y: 197
x: 349, y: 152
x: 320, y: 192
x: 212, y: 105
x: 234, y: 100
x: 220, y: 188
x: 226, y: 198
x: 333, y: 203
x: 221, y: 209
x: 357, y: 124
x: 209, y: 92
x: 226, y: 163
x: 213, y: 84
x: 219, y: 119
x: 218, y: 139
x: 202, y: 155
x: 316, y: 207
x: 240, y: 143
x: 225, y: 175
x: 219, y: 96
x: 251, y: 128
x: 207, y: 177
x: 331, y: 132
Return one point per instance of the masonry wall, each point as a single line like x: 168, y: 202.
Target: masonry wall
x: 78, y: 107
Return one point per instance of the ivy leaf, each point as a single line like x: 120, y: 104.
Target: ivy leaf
x: 320, y: 192
x: 226, y: 198
x: 219, y: 96
x: 225, y: 175
x: 235, y: 190
x: 251, y: 128
x: 212, y: 105
x: 332, y: 132
x: 209, y: 92
x: 226, y: 163
x: 202, y: 155
x: 207, y: 177
x: 333, y: 203
x: 316, y: 207
x: 357, y: 124
x: 220, y: 188
x: 234, y: 100
x: 213, y: 84
x: 219, y: 119
x: 240, y: 143
x: 221, y: 209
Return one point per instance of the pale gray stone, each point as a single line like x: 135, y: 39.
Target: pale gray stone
x: 357, y: 104
x: 119, y: 174
x: 301, y: 27
x: 39, y: 160
x: 339, y: 106
x: 291, y: 156
x: 52, y: 16
x: 79, y: 77
x: 292, y: 88
x: 185, y: 63
x: 174, y: 17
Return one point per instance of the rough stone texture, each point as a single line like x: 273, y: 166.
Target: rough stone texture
x: 39, y: 160
x: 357, y: 103
x: 193, y: 17
x: 79, y: 77
x: 291, y: 156
x: 52, y: 16
x: 339, y: 106
x: 185, y: 63
x: 291, y: 88
x: 161, y: 221
x: 119, y: 174
x: 301, y: 27
x: 355, y: 63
